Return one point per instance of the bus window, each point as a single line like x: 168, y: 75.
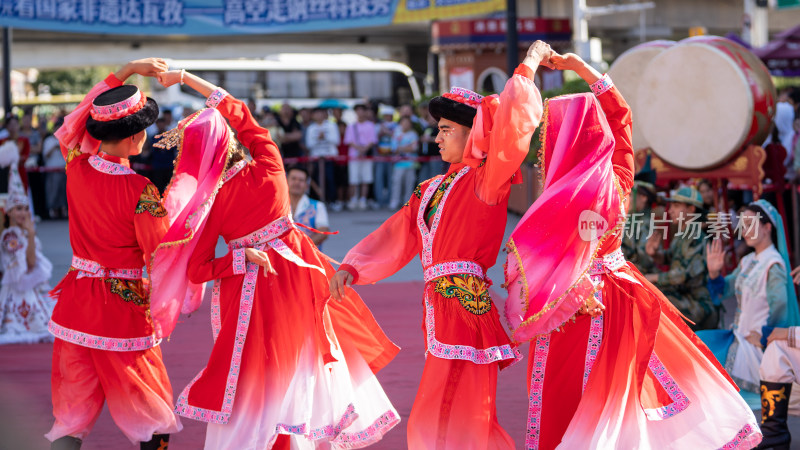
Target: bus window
x: 373, y: 86
x: 287, y: 84
x: 331, y: 85
x: 403, y: 95
x: 245, y: 84
x: 303, y: 79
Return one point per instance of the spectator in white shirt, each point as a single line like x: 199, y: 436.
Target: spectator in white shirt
x: 309, y: 212
x: 784, y: 122
x: 322, y: 141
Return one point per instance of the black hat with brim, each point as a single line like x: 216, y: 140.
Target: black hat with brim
x: 441, y: 107
x: 124, y: 127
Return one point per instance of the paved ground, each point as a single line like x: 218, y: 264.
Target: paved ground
x: 25, y: 369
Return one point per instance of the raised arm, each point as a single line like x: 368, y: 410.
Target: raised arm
x: 257, y: 139
x: 15, y: 249
x: 507, y: 121
x: 617, y: 111
x: 618, y: 115
x: 72, y: 133
x: 719, y: 287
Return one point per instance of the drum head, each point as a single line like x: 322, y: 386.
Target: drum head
x: 694, y: 106
x: 626, y: 72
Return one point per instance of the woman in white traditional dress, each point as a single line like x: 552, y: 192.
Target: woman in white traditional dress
x: 765, y: 296
x: 25, y: 307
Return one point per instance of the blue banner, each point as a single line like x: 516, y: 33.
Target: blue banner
x: 195, y: 17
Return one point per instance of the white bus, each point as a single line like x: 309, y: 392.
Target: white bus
x: 301, y: 79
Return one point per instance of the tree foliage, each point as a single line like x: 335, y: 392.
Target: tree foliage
x: 70, y: 81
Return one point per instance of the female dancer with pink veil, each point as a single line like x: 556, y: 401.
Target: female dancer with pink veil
x: 288, y: 367
x: 612, y: 363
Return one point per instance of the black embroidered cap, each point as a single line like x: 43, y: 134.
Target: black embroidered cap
x: 459, y: 105
x: 120, y: 112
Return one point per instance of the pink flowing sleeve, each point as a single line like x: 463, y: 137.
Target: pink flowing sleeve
x: 72, y: 133
x: 507, y: 123
x: 387, y: 249
x: 619, y: 117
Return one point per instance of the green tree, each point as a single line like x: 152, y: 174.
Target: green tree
x: 71, y: 81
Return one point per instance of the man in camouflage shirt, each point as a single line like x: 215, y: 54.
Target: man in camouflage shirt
x: 684, y: 284
x: 639, y: 223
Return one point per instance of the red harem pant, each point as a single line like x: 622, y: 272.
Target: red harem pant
x: 134, y: 383
x: 455, y: 408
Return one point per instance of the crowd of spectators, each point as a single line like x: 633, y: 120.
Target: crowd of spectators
x: 30, y: 148
x: 373, y: 162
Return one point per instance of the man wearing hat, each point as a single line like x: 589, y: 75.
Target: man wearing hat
x: 684, y: 284
x: 455, y: 222
x: 105, y: 347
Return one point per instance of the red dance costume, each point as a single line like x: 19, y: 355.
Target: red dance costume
x: 105, y: 347
x: 635, y: 376
x: 456, y: 222
x: 285, y: 360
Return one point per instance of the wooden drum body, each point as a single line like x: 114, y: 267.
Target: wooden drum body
x: 626, y: 72
x: 702, y: 101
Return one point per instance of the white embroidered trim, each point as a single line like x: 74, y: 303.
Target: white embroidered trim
x: 679, y: 400
x: 236, y: 168
x: 452, y: 268
x: 602, y: 85
x: 100, y: 342
x: 245, y: 306
x: 92, y: 269
x: 238, y: 261
x: 541, y: 350
x: 111, y: 168
x: 592, y: 347
x: 216, y: 97
x: 465, y: 352
x: 429, y: 235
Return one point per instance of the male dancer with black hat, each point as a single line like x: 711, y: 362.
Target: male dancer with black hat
x: 456, y: 224
x: 105, y: 348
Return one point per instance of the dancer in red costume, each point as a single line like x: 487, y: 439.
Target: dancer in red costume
x: 612, y: 363
x: 105, y: 347
x: 287, y: 364
x: 456, y: 222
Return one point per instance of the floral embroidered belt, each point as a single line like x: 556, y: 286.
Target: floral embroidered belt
x: 464, y: 280
x: 269, y: 236
x: 452, y: 268
x: 608, y: 263
x: 265, y: 234
x: 91, y: 269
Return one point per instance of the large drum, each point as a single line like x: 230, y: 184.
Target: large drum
x: 626, y: 72
x: 703, y: 100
